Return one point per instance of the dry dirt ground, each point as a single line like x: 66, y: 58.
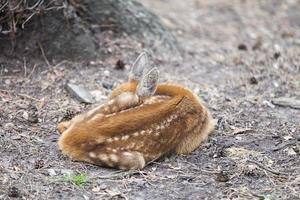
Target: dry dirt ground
x: 237, y: 55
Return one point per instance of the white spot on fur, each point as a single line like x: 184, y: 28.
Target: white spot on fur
x: 98, y: 116
x: 127, y: 153
x: 125, y: 137
x: 143, y: 132
x: 103, y: 157
x: 106, y: 109
x: 157, y: 133
x: 99, y: 140
x: 116, y: 138
x: 113, y: 158
x: 114, y: 108
x: 92, y: 155
x: 136, y: 134
x: 109, y: 140
x: 111, y: 102
x: 130, y: 146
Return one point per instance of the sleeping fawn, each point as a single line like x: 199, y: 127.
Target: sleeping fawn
x: 142, y: 121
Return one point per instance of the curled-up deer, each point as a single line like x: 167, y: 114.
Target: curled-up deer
x: 142, y: 121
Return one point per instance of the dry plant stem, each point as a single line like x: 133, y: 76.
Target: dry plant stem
x: 283, y: 146
x: 267, y: 169
x: 44, y: 56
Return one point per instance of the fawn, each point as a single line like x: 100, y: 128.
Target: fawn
x: 142, y: 121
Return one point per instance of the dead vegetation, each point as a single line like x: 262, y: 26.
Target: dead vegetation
x: 14, y: 14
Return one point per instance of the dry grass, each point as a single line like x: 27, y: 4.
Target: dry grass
x: 15, y: 14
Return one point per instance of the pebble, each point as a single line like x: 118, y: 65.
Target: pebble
x: 67, y: 172
x: 13, y: 192
x: 242, y: 47
x: 108, y: 84
x: 51, y: 172
x: 79, y: 93
x: 287, y: 102
x: 106, y: 73
x: 8, y: 126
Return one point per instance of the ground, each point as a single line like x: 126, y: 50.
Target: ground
x: 237, y: 57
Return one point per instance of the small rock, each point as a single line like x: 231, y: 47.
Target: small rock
x: 106, y: 73
x: 221, y: 177
x: 268, y: 104
x: 276, y: 55
x: 98, y: 95
x: 67, y: 172
x: 120, y: 65
x: 8, y: 126
x: 39, y: 164
x: 80, y: 93
x: 242, y: 47
x: 107, y: 84
x: 13, y: 192
x: 7, y: 82
x: 252, y: 170
x: 68, y: 115
x: 287, y: 34
x: 51, y: 172
x: 288, y: 137
x: 287, y: 102
x: 257, y: 45
x: 16, y: 137
x: 33, y: 114
x: 96, y: 189
x: 25, y: 115
x: 291, y: 152
x: 253, y: 80
x: 103, y: 186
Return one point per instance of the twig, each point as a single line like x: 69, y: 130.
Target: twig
x: 15, y: 8
x: 120, y: 174
x: 25, y: 66
x: 35, y: 5
x: 266, y: 168
x: 44, y: 56
x: 5, y: 4
x: 28, y: 97
x: 28, y: 18
x: 283, y: 146
x: 34, y: 66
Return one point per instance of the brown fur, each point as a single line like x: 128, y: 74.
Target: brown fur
x: 174, y: 120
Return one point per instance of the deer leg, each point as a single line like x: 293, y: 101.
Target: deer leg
x: 197, y: 135
x: 62, y: 126
x: 120, y: 159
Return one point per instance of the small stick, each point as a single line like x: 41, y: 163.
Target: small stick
x: 34, y: 66
x: 283, y: 146
x: 44, y: 56
x: 28, y: 97
x: 266, y: 168
x: 25, y: 66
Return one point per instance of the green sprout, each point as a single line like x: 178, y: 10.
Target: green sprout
x: 79, y: 179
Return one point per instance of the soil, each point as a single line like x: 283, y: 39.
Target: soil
x: 236, y: 56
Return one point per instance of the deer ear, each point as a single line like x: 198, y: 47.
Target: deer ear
x: 141, y: 63
x: 148, y: 84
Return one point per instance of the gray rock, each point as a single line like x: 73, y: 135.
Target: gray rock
x: 51, y: 172
x: 287, y: 102
x: 79, y: 93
